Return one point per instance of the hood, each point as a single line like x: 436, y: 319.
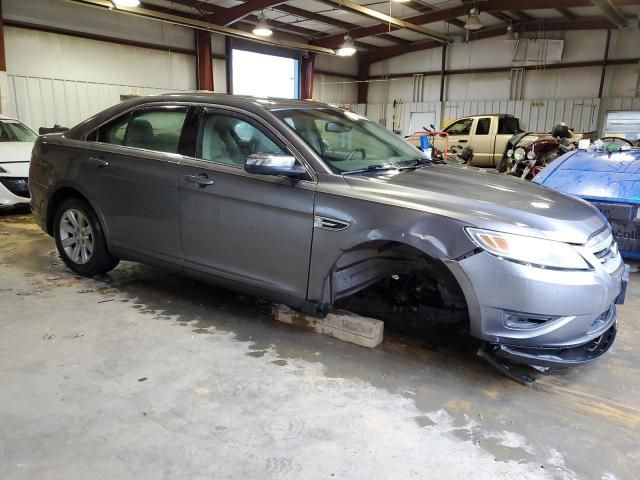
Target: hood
x: 484, y: 198
x: 596, y: 175
x: 15, y: 158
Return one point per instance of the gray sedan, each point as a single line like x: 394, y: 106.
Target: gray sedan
x: 305, y: 204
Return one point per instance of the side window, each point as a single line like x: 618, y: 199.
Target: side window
x: 157, y: 130
x: 508, y: 126
x: 230, y: 140
x: 114, y: 131
x: 461, y: 127
x: 483, y: 125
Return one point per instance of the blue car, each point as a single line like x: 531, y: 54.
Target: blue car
x: 610, y: 181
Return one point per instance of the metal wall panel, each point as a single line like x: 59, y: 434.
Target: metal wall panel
x: 43, y: 102
x: 534, y: 115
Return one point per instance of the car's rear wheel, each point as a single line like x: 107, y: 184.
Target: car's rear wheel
x: 80, y: 239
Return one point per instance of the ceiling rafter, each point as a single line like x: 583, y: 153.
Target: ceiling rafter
x: 533, y: 26
x: 388, y: 19
x: 231, y: 15
x: 566, y: 13
x: 612, y: 12
x: 488, y: 6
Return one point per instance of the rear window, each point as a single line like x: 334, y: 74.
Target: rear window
x: 508, y: 126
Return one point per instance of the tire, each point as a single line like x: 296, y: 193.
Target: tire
x: 80, y: 239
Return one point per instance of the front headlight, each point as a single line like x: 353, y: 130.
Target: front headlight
x: 531, y: 155
x: 510, y: 153
x: 519, y: 154
x: 536, y: 252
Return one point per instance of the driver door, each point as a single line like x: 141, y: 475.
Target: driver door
x: 459, y: 136
x: 251, y: 229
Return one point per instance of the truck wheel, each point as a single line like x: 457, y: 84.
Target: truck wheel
x: 80, y: 239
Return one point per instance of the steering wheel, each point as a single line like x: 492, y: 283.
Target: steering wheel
x: 354, y: 152
x: 616, y: 139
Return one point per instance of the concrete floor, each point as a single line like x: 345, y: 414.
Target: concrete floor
x: 145, y: 375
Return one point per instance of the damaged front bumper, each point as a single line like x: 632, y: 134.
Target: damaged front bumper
x: 541, y: 317
x: 558, y: 357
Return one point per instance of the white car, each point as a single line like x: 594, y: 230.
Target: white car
x: 16, y: 143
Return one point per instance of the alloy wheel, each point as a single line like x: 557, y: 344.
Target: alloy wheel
x: 76, y: 236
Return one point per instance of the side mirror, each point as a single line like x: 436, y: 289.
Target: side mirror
x: 272, y: 164
x: 335, y: 127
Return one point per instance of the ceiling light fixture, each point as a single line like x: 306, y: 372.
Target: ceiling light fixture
x: 510, y: 35
x: 400, y: 1
x: 262, y: 28
x: 126, y: 3
x: 348, y: 48
x: 473, y: 20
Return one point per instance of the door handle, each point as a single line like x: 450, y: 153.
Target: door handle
x: 463, y: 141
x: 201, y: 180
x: 99, y: 162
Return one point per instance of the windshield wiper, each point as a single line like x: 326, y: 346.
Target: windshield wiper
x: 371, y: 168
x: 419, y: 162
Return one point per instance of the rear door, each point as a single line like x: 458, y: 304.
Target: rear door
x: 253, y: 229
x: 482, y: 142
x: 131, y: 174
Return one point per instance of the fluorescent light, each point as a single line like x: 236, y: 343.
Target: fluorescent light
x: 126, y: 3
x: 400, y: 1
x: 347, y: 49
x: 262, y: 27
x: 473, y: 20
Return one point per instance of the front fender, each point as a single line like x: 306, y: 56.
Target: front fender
x: 372, y: 225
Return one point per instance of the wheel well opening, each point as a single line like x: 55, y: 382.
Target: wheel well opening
x: 58, y: 197
x: 398, y: 284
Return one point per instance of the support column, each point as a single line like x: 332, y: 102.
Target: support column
x: 363, y: 80
x: 605, y: 60
x: 204, y: 65
x: 306, y: 80
x: 443, y: 71
x: 4, y: 81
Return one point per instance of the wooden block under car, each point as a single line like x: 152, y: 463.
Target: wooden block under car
x: 340, y: 324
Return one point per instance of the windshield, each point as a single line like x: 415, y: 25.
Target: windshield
x: 349, y: 142
x: 14, y: 131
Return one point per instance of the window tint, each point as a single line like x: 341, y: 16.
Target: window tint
x: 482, y: 127
x: 461, y: 127
x: 230, y: 140
x: 508, y: 126
x: 157, y: 130
x: 113, y: 132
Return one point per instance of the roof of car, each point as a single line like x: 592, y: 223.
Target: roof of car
x: 256, y: 105
x: 270, y: 103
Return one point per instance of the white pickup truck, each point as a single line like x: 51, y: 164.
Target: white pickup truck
x: 486, y: 135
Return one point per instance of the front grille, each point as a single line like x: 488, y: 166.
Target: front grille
x: 603, y: 246
x: 17, y: 186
